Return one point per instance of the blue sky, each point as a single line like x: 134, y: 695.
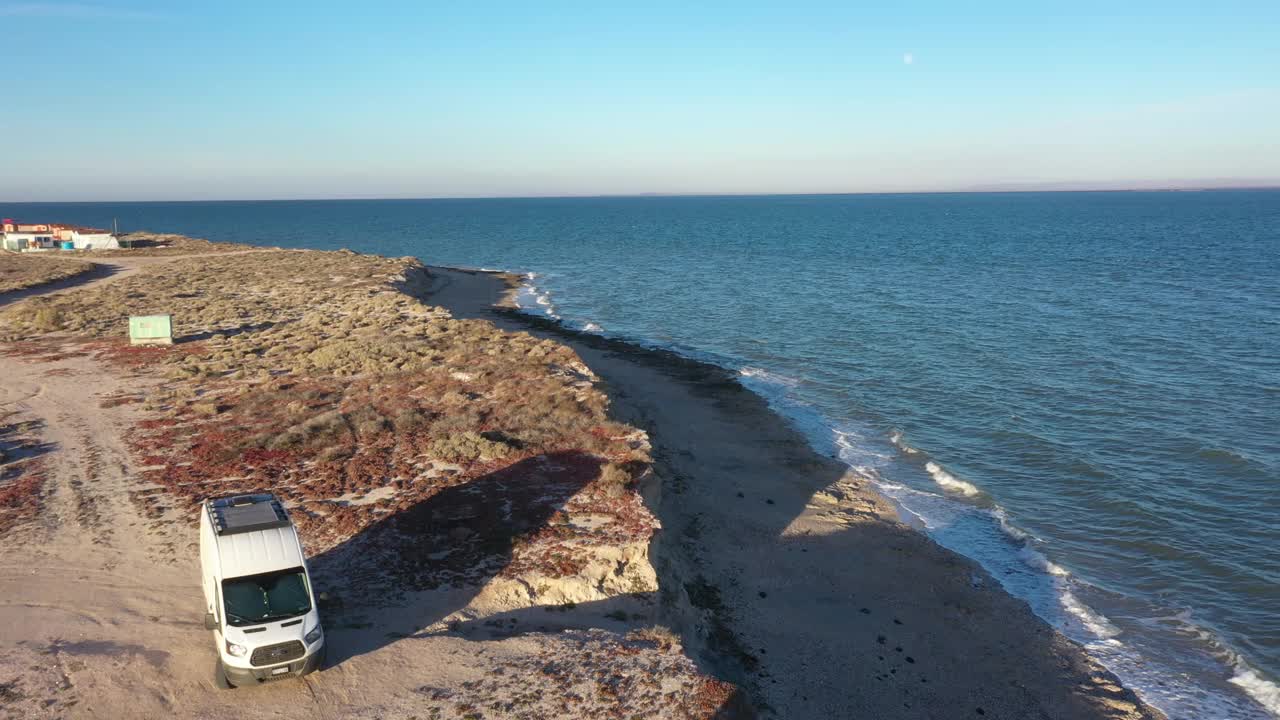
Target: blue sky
x: 165, y: 100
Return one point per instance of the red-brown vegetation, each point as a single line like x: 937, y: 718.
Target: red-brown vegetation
x: 314, y: 376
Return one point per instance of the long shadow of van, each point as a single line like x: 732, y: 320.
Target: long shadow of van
x: 453, y: 543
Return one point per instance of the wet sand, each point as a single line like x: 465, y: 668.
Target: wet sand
x: 795, y: 579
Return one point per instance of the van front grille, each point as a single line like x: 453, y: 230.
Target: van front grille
x: 275, y: 654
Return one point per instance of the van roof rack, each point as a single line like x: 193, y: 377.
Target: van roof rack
x: 246, y: 513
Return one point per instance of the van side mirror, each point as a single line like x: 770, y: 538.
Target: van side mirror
x: 210, y: 622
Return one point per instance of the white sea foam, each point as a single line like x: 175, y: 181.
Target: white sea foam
x: 1012, y: 556
x: 895, y: 437
x: 592, y: 328
x: 762, y: 375
x: 534, y: 300
x: 1246, y: 677
x: 1036, y: 560
x: 949, y: 482
x: 1094, y: 622
x: 859, y: 452
x: 1013, y: 531
x: 1265, y: 692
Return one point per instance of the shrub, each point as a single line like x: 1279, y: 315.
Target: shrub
x: 467, y: 446
x: 47, y: 319
x: 614, y: 480
x: 321, y: 429
x: 659, y: 635
x: 409, y: 419
x: 372, y: 427
x: 206, y: 408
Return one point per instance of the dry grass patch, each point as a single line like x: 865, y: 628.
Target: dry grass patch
x: 415, y: 451
x: 28, y: 270
x: 148, y: 243
x: 314, y: 375
x: 231, y: 295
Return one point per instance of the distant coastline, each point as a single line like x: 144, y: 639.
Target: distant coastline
x: 1003, y: 188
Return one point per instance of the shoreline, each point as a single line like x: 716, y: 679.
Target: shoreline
x: 823, y: 539
x: 1192, y: 674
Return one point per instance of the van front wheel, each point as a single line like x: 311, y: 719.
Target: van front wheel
x: 220, y: 677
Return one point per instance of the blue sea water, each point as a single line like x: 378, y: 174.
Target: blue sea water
x: 1079, y: 390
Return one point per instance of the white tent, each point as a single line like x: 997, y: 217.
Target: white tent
x: 94, y: 241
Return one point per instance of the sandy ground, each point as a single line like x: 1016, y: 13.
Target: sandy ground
x: 796, y: 580
x: 100, y: 606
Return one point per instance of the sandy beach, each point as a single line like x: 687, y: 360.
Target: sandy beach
x: 512, y: 519
x: 797, y: 580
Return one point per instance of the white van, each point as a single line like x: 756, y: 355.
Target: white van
x: 258, y: 597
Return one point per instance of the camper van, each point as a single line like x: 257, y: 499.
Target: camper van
x: 259, y: 602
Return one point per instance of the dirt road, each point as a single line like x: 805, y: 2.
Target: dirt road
x: 91, y: 592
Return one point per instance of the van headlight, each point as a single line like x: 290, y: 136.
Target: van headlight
x: 312, y: 635
x: 235, y: 650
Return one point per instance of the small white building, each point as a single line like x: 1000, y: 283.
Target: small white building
x: 50, y: 236
x: 86, y: 239
x: 22, y: 241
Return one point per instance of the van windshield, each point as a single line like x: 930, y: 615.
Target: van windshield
x: 255, y: 599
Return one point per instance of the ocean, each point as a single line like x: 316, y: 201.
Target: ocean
x: 1079, y: 390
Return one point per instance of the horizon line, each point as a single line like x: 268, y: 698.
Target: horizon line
x: 978, y: 190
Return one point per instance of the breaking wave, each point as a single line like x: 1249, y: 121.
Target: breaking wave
x: 762, y: 375
x: 1259, y: 688
x: 895, y: 437
x: 532, y: 299
x: 950, y: 482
